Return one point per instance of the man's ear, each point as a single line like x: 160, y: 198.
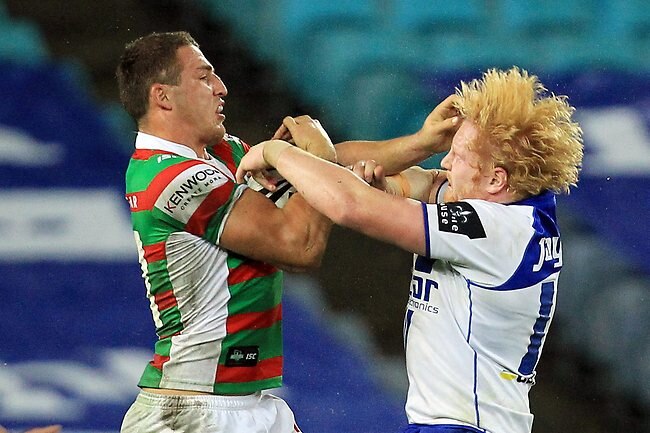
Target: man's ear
x: 499, y: 181
x: 159, y: 96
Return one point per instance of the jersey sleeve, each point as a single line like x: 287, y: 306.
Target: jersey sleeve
x: 473, y: 235
x: 197, y: 198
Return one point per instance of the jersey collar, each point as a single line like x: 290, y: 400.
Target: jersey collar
x: 151, y: 142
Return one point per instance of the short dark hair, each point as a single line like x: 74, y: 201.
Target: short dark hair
x: 145, y: 61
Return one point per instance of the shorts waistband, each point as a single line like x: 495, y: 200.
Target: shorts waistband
x: 207, y: 401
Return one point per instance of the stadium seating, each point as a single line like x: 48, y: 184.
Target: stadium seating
x: 21, y: 41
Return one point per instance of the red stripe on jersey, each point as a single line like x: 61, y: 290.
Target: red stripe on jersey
x: 144, y: 200
x: 165, y: 300
x: 144, y: 154
x: 264, y: 369
x: 201, y: 217
x: 154, y: 252
x: 224, y: 151
x: 158, y: 361
x: 255, y: 320
x: 248, y: 271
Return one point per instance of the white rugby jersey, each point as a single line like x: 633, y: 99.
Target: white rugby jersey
x: 481, y: 301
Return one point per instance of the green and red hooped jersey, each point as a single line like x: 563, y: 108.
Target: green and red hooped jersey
x: 218, y: 315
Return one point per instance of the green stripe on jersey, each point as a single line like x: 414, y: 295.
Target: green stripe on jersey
x: 140, y: 173
x: 212, y: 230
x: 152, y: 376
x: 159, y: 277
x: 256, y: 294
x: 268, y: 340
x: 153, y: 231
x: 172, y: 323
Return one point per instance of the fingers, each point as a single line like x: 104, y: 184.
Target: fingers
x: 265, y: 179
x: 370, y: 172
x: 281, y: 133
x: 240, y: 176
x: 446, y: 109
x: 364, y: 170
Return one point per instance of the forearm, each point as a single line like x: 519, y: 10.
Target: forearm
x: 310, y: 239
x: 311, y: 230
x: 394, y: 155
x: 325, y: 185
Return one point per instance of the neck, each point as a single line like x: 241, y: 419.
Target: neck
x: 173, y: 135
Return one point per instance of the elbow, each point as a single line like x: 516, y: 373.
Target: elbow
x: 304, y: 259
x: 311, y: 250
x: 304, y: 248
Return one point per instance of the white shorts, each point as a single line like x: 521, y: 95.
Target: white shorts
x: 256, y: 413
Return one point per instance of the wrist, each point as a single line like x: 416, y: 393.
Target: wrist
x: 272, y: 151
x: 398, y: 185
x: 326, y: 152
x: 424, y: 143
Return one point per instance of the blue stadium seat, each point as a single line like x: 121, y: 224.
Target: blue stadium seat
x: 624, y: 33
x: 448, y: 37
x: 426, y: 15
x: 550, y: 37
x: 358, y: 77
x: 21, y: 42
x: 549, y: 16
x: 279, y: 30
x: 243, y: 17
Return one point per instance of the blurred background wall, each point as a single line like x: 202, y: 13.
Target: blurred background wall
x: 76, y: 329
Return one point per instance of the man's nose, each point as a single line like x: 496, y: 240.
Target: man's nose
x: 220, y: 88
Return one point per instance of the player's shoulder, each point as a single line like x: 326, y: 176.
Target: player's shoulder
x: 501, y: 212
x: 236, y: 142
x: 479, y: 219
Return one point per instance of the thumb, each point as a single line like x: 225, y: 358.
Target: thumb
x: 240, y: 175
x: 449, y: 124
x: 290, y: 123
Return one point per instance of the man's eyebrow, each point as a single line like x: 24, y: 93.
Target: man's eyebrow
x: 208, y: 68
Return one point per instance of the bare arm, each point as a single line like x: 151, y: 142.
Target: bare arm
x: 398, y: 154
x: 292, y: 238
x: 342, y: 196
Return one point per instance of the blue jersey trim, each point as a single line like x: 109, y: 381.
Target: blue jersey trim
x: 469, y: 333
x: 545, y: 226
x: 440, y: 428
x: 529, y: 361
x: 407, y: 324
x: 424, y: 264
x: 426, y: 230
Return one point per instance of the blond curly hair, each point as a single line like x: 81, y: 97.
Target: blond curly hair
x: 524, y: 130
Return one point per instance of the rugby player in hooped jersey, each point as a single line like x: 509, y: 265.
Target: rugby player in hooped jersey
x: 486, y: 244
x: 209, y: 248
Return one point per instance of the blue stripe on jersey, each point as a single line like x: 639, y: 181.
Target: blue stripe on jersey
x: 545, y: 226
x: 426, y: 229
x: 529, y: 361
x: 407, y: 324
x: 424, y: 264
x: 469, y: 333
x: 440, y: 428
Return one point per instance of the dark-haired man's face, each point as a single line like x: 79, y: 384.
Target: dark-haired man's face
x: 198, y: 98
